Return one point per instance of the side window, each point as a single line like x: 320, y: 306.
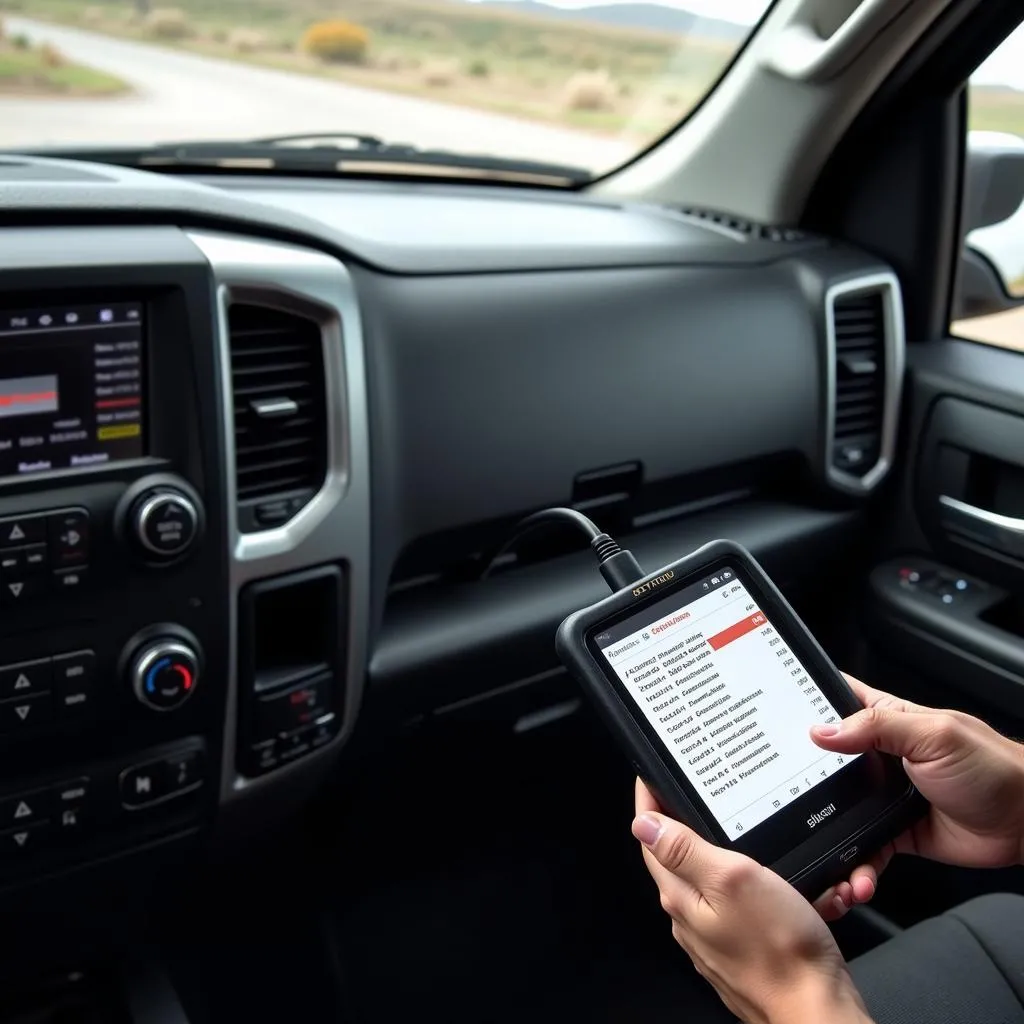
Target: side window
x: 990, y: 303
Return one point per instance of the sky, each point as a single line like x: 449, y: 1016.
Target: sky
x: 744, y: 12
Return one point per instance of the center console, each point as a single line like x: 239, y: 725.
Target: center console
x: 184, y: 517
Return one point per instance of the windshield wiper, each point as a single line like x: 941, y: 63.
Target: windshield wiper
x: 327, y: 152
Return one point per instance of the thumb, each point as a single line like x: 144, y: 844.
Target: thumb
x: 677, y: 848
x: 917, y: 737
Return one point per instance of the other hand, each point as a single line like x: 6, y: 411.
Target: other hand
x: 971, y: 775
x: 770, y: 957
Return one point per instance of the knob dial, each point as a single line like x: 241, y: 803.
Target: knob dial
x: 165, y: 523
x: 164, y: 673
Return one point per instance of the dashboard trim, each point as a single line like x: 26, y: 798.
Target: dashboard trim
x: 335, y: 525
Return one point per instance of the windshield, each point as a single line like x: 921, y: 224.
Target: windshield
x: 582, y: 84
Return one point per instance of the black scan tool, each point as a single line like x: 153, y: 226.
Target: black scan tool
x: 710, y: 682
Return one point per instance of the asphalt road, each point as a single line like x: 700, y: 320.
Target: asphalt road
x: 179, y: 96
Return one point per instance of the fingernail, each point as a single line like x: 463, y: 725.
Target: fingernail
x: 826, y: 730
x: 838, y: 903
x: 647, y: 829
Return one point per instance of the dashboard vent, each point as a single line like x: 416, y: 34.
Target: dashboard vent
x: 766, y: 232
x: 865, y: 330
x: 277, y: 379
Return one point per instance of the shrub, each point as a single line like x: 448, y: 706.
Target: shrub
x: 439, y: 73
x: 590, y: 90
x: 246, y: 40
x: 167, y: 23
x: 92, y: 15
x: 478, y: 68
x: 51, y: 56
x: 391, y: 60
x: 340, y: 42
x: 21, y: 41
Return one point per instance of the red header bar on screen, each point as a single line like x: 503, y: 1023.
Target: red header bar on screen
x: 719, y: 640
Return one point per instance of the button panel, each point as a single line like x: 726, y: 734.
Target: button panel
x: 43, y: 552
x: 944, y: 585
x: 35, y: 693
x: 73, y: 676
x: 269, y: 754
x: 103, y: 807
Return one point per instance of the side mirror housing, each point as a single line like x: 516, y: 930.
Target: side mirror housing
x: 991, y: 272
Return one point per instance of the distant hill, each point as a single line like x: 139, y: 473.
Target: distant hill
x: 650, y: 16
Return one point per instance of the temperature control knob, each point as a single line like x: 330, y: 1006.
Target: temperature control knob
x: 164, y: 673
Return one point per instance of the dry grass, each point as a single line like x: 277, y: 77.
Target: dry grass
x: 167, y: 23
x: 44, y: 71
x: 591, y: 90
x: 246, y: 40
x: 439, y: 74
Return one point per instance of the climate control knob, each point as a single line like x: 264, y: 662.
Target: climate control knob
x: 164, y: 673
x: 165, y: 523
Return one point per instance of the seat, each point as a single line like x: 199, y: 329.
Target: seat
x: 964, y: 967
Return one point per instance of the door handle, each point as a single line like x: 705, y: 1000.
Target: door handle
x: 994, y: 530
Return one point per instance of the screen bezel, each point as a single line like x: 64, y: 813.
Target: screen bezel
x: 870, y: 783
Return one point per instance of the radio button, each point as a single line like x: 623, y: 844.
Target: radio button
x: 184, y: 771
x: 166, y: 523
x: 69, y: 538
x: 19, y: 811
x: 21, y: 531
x: 12, y: 562
x: 143, y: 784
x: 23, y: 842
x: 24, y: 714
x: 74, y: 792
x: 25, y: 679
x: 70, y: 807
x: 73, y: 676
x: 23, y: 590
x: 67, y: 580
x: 35, y: 558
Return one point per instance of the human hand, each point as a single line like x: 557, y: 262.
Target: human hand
x: 769, y: 956
x: 971, y: 775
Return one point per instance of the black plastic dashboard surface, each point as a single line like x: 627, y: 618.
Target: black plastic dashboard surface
x: 403, y: 229
x: 517, y: 338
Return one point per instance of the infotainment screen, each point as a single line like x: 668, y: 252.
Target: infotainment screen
x: 71, y: 387
x: 727, y: 696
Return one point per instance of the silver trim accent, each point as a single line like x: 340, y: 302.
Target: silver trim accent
x: 142, y: 662
x: 270, y: 408
x: 146, y: 509
x: 334, y: 527
x: 888, y: 284
x: 994, y: 530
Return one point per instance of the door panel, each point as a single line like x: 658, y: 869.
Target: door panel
x: 946, y: 601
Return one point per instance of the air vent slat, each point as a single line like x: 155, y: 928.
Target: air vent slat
x: 858, y: 330
x: 276, y: 355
